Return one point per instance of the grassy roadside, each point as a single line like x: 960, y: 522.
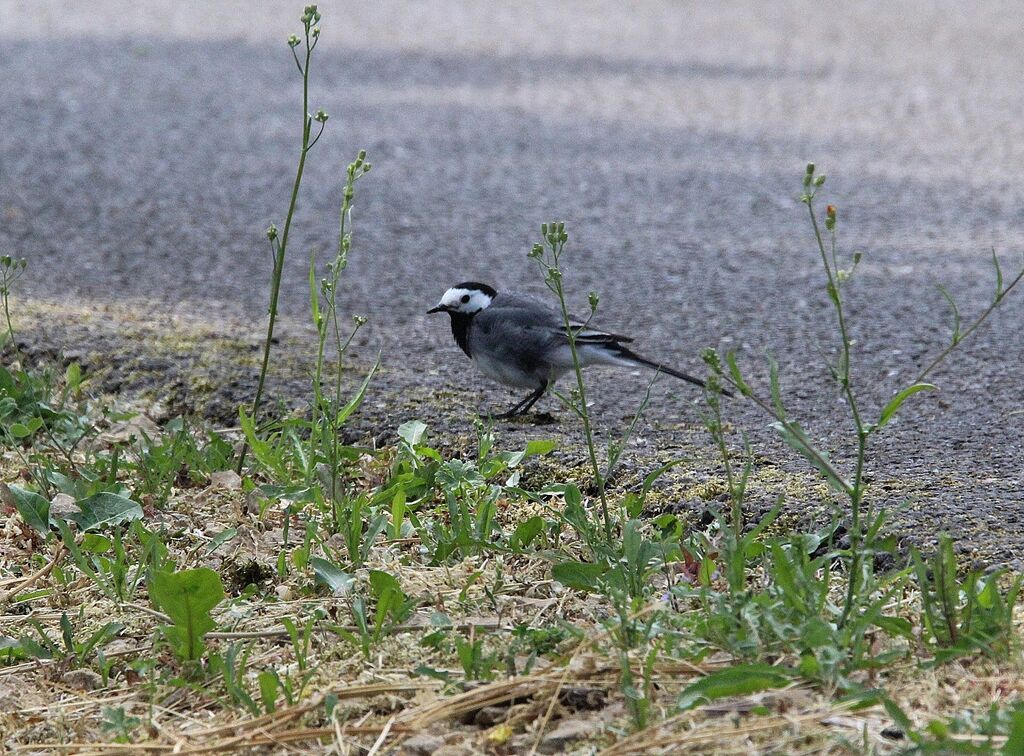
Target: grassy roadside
x: 297, y: 580
x: 482, y: 651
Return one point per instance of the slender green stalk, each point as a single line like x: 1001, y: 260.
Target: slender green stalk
x: 322, y: 428
x: 7, y: 317
x: 280, y: 247
x: 615, y: 448
x: 11, y: 269
x: 856, y: 490
x: 1001, y: 293
x: 714, y: 425
x: 555, y: 238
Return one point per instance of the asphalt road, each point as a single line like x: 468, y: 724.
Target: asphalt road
x: 145, y: 147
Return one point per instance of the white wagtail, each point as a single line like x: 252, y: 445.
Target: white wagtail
x: 522, y: 343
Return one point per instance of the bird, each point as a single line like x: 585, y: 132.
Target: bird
x: 523, y: 343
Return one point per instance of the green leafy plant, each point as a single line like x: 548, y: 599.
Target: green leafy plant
x: 548, y: 256
x: 117, y: 564
x: 187, y: 598
x: 977, y: 732
x: 392, y: 608
x: 961, y: 616
x: 231, y: 667
x: 78, y: 653
x: 360, y: 525
x: 179, y: 458
x: 117, y: 723
x: 33, y: 508
x: 468, y: 491
x: 328, y: 413
x: 851, y: 486
x: 36, y: 413
x: 737, y: 680
x: 477, y: 661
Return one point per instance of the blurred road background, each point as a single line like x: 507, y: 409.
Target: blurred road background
x: 145, y: 147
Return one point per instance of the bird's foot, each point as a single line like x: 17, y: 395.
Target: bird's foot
x: 523, y: 418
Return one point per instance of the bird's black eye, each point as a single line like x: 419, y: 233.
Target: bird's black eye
x: 465, y: 298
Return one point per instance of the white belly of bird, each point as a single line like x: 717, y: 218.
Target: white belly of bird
x: 502, y: 372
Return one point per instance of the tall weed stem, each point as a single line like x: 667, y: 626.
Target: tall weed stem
x: 279, y: 246
x: 555, y: 238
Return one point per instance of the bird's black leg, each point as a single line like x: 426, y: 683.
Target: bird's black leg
x: 523, y: 406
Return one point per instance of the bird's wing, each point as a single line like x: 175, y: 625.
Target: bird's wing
x: 521, y: 333
x: 590, y: 335
x: 537, y: 313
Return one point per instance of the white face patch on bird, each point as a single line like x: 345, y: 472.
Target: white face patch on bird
x: 467, y: 299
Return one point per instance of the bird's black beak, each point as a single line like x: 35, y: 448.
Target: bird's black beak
x: 439, y: 308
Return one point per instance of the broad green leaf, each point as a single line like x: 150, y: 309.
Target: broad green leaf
x: 105, y: 509
x: 330, y: 575
x: 64, y: 484
x: 187, y: 598
x: 24, y: 430
x: 895, y: 626
x: 740, y: 680
x: 381, y: 582
x: 268, y: 683
x: 33, y: 508
x: 1015, y: 742
x: 897, y: 401
x: 95, y: 543
x: 412, y: 431
x: 525, y: 532
x: 583, y: 576
x: 73, y: 376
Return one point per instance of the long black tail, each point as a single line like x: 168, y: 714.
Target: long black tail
x: 634, y: 357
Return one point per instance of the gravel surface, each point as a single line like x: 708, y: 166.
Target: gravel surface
x: 144, y: 147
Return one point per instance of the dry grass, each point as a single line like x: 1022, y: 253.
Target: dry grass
x: 379, y: 703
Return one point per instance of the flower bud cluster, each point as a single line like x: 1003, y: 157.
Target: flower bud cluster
x: 12, y: 263
x: 712, y: 359
x: 554, y: 233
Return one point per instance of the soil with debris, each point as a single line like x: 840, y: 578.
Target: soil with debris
x: 145, y: 147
